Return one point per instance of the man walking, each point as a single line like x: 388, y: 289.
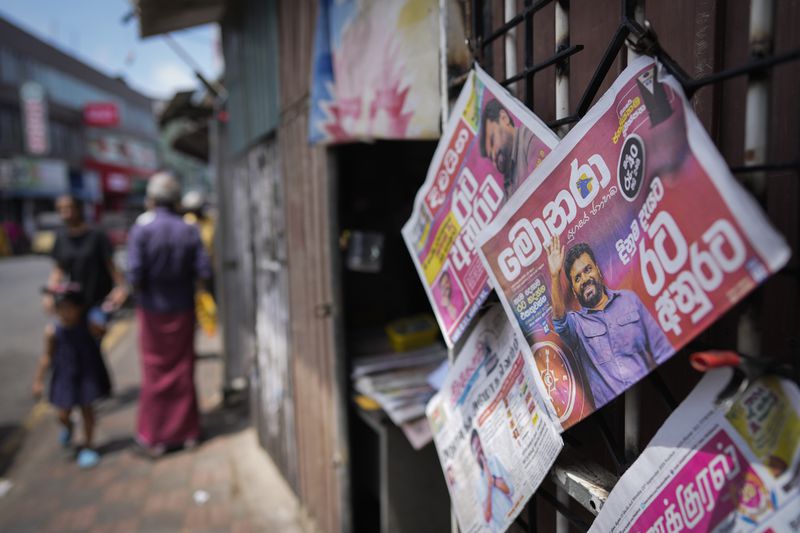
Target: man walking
x: 166, y: 262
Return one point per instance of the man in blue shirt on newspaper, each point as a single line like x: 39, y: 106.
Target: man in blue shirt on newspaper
x: 613, y: 334
x: 494, y: 489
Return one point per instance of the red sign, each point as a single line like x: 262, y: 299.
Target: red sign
x: 101, y: 114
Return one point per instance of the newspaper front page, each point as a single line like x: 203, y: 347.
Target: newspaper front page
x: 711, y: 470
x: 630, y: 239
x: 490, y: 146
x: 494, y: 439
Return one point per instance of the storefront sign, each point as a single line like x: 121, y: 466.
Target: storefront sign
x: 138, y: 157
x: 101, y: 114
x: 38, y: 177
x: 33, y: 103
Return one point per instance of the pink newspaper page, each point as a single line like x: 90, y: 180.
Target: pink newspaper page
x: 630, y: 239
x: 711, y: 470
x: 491, y: 145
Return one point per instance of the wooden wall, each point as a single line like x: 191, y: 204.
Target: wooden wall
x: 310, y: 201
x: 272, y: 383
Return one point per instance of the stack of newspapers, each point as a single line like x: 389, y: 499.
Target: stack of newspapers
x: 398, y: 381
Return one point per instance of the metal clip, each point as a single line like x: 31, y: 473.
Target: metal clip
x: 746, y: 370
x: 643, y: 40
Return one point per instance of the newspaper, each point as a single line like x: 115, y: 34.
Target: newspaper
x: 708, y: 470
x: 495, y: 442
x: 372, y: 364
x: 402, y: 393
x: 418, y: 432
x: 490, y: 146
x: 630, y: 239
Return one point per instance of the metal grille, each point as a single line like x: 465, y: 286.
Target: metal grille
x: 503, y: 38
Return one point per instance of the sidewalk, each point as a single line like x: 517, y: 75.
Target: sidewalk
x: 227, y: 484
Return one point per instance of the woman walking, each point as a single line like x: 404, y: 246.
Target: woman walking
x: 84, y: 255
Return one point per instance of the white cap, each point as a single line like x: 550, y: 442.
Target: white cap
x: 193, y: 200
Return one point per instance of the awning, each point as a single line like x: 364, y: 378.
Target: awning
x: 163, y: 16
x: 187, y: 105
x: 188, y: 114
x: 193, y: 141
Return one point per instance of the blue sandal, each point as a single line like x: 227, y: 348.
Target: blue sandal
x: 88, y: 458
x: 65, y: 437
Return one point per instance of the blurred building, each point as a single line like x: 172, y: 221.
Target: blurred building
x: 64, y: 126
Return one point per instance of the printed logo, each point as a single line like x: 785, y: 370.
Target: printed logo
x: 646, y: 79
x: 630, y: 170
x: 584, y: 182
x: 584, y: 185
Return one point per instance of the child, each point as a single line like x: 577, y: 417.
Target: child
x: 79, y: 374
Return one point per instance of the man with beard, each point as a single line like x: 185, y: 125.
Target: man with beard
x: 613, y: 333
x: 511, y: 148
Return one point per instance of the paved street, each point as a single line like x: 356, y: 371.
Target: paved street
x: 21, y: 326
x: 226, y: 484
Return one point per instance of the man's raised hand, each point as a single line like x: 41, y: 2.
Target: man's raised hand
x: 555, y: 256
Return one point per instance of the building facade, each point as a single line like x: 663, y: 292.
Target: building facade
x: 66, y: 127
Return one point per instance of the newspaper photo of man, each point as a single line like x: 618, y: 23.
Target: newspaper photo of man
x: 494, y: 490
x: 612, y: 334
x: 509, y: 146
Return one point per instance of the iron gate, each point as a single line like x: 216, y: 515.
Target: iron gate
x: 737, y: 62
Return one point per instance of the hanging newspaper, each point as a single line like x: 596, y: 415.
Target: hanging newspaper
x: 630, y: 239
x: 495, y: 441
x: 708, y: 470
x: 490, y: 146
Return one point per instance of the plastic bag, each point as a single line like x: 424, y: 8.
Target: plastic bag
x: 206, y: 310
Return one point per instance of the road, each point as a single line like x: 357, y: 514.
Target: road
x: 21, y: 325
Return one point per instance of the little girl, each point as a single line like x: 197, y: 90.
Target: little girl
x: 79, y: 374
